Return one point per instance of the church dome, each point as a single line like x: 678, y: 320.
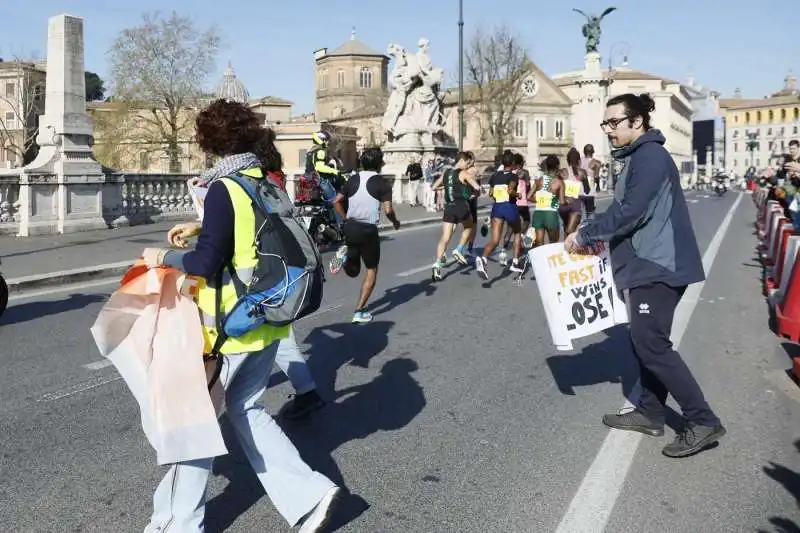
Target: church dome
x: 231, y: 88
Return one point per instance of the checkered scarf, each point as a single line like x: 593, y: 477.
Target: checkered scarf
x: 227, y: 166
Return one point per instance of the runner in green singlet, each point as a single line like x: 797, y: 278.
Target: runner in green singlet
x: 547, y: 195
x: 459, y: 185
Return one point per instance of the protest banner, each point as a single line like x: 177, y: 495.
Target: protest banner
x: 577, y: 292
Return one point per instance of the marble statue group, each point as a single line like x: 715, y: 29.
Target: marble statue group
x: 414, y: 109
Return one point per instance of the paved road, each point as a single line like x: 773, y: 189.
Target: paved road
x: 451, y: 413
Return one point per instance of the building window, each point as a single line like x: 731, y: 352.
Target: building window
x: 540, y: 128
x: 519, y: 128
x: 144, y: 161
x: 559, y: 129
x: 323, y: 82
x: 11, y: 156
x: 10, y: 122
x: 783, y: 114
x: 783, y: 146
x: 736, y: 119
x: 340, y: 79
x: 735, y: 163
x: 771, y: 144
x: 769, y: 131
x: 38, y: 92
x: 782, y: 132
x: 758, y: 117
x: 794, y: 130
x: 365, y: 78
x: 10, y: 90
x: 735, y: 134
x: 735, y: 147
x: 796, y: 114
x: 747, y: 117
x: 771, y: 115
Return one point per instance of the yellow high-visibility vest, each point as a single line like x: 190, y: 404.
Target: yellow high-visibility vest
x: 244, y: 263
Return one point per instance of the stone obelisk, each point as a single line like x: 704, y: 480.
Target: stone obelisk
x: 64, y: 174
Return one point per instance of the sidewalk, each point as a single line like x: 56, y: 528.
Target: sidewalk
x: 55, y: 259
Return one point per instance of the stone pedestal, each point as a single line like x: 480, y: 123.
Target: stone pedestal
x: 62, y: 189
x: 589, y: 107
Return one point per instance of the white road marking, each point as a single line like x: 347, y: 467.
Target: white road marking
x: 77, y: 389
x: 592, y: 504
x: 692, y: 201
x: 411, y: 272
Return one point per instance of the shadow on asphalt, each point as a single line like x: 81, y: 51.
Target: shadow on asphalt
x: 18, y: 314
x: 399, y: 295
x: 389, y: 402
x: 791, y: 482
x: 608, y: 361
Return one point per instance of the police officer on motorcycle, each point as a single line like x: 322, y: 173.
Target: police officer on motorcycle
x: 721, y: 183
x: 317, y: 159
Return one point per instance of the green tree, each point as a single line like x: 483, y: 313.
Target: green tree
x: 95, y: 89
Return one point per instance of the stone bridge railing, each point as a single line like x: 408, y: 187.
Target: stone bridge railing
x: 43, y: 204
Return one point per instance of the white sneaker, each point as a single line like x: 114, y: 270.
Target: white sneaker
x: 480, y: 265
x: 319, y: 517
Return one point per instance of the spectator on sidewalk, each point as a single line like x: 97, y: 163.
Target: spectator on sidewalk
x: 415, y: 174
x: 654, y: 256
x: 233, y: 132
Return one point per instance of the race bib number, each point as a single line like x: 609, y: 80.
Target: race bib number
x: 544, y: 200
x: 573, y: 189
x: 500, y: 193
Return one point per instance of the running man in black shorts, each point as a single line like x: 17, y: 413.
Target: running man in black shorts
x: 364, y: 193
x: 459, y: 185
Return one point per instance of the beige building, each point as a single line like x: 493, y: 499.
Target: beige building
x: 540, y: 126
x: 590, y: 88
x: 758, y: 130
x: 127, y: 139
x: 22, y: 89
x: 349, y: 77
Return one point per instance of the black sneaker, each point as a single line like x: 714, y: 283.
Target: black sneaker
x: 634, y: 420
x: 302, y: 405
x: 692, y: 439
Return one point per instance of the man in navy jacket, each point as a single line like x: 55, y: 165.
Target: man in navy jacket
x: 654, y: 257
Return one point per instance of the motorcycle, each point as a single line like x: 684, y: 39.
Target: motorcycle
x: 314, y: 205
x: 321, y: 223
x: 3, y: 294
x: 719, y: 186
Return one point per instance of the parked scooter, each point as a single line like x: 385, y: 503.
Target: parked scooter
x: 3, y: 294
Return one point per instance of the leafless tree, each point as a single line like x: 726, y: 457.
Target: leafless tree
x: 496, y: 64
x: 22, y: 89
x: 159, y: 69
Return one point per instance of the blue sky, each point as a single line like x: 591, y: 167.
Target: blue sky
x: 271, y: 42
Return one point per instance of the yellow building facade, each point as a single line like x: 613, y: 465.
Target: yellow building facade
x: 758, y: 130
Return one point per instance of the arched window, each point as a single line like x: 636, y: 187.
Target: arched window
x: 783, y: 114
x: 796, y: 113
x: 340, y: 79
x: 323, y: 80
x: 519, y: 128
x: 365, y: 78
x: 771, y: 115
x: 747, y: 117
x: 758, y: 117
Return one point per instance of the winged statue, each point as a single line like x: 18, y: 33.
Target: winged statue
x: 591, y: 30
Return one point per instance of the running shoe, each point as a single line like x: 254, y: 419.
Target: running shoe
x: 460, y: 257
x: 362, y: 317
x: 437, y: 272
x: 338, y: 260
x: 502, y: 258
x: 518, y: 265
x: 480, y: 265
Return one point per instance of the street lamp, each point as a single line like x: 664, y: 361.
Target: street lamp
x: 460, y: 75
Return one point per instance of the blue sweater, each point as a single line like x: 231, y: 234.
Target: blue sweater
x: 214, y: 247
x: 648, y: 227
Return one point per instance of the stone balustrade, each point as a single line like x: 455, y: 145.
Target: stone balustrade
x: 36, y: 204
x: 9, y: 204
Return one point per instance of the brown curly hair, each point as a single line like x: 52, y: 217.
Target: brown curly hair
x: 226, y: 128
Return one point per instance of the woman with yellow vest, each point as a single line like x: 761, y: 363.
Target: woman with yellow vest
x: 234, y: 133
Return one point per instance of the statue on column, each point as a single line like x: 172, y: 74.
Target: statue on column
x: 415, y: 103
x: 591, y: 30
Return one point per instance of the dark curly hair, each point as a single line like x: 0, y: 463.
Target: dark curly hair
x: 226, y: 128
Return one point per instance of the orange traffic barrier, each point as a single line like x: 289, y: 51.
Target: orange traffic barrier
x: 773, y: 278
x: 787, y: 313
